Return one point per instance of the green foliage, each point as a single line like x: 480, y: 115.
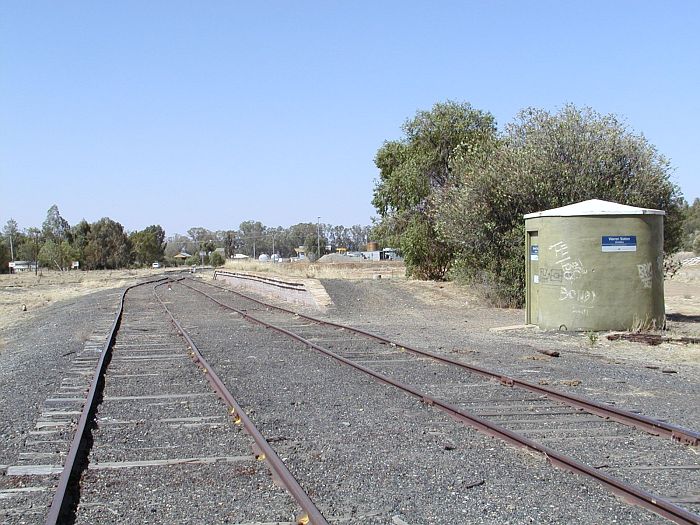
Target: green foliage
x: 545, y: 161
x: 4, y: 257
x: 29, y: 245
x: 55, y: 227
x: 11, y: 231
x: 413, y: 169
x: 216, y: 259
x: 419, y: 243
x: 80, y: 233
x: 311, y: 245
x: 592, y: 337
x: 691, y: 225
x: 148, y: 245
x: 108, y: 246
x: 696, y: 243
x: 57, y: 255
x: 196, y: 259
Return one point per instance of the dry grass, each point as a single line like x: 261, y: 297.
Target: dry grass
x: 324, y: 270
x: 34, y: 292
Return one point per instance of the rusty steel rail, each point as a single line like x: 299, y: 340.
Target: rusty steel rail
x: 60, y: 502
x: 645, y: 423
x: 276, y: 464
x: 625, y: 491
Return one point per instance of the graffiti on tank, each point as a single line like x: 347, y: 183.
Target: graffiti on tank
x: 551, y: 275
x: 581, y: 297
x: 561, y: 250
x: 573, y: 270
x: 645, y: 274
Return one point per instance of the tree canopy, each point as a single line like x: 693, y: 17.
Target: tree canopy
x: 545, y: 160
x: 108, y: 246
x: 148, y: 245
x: 413, y: 168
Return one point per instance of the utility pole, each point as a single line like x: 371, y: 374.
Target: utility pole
x: 318, y: 237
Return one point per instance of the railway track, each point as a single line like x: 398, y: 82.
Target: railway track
x: 155, y: 443
x: 624, y: 452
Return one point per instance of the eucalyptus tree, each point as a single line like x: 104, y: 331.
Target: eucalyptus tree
x: 412, y: 169
x: 11, y: 229
x: 108, y: 246
x: 55, y: 227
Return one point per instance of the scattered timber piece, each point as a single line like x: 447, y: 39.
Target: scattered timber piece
x: 475, y: 484
x: 551, y: 353
x: 652, y: 339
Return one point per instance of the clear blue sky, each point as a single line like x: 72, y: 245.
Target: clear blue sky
x: 186, y: 113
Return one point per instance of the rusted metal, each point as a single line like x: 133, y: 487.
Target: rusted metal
x: 60, y: 502
x: 266, y: 452
x: 626, y: 491
x: 647, y: 424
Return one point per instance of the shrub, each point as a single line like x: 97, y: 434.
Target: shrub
x: 546, y: 161
x: 216, y: 259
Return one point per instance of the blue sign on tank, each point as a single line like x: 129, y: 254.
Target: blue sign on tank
x: 619, y: 243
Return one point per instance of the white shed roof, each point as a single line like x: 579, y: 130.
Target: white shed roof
x: 594, y: 207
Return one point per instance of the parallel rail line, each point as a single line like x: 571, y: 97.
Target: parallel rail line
x: 625, y: 490
x: 64, y: 499
x: 647, y: 424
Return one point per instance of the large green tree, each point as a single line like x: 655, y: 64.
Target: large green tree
x: 108, y: 246
x: 11, y: 231
x: 30, y: 246
x: 55, y: 227
x: 546, y: 160
x: 148, y: 245
x: 413, y: 168
x: 57, y: 254
x: 4, y: 257
x: 80, y: 233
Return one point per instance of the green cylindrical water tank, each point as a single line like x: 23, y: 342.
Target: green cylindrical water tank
x: 595, y: 265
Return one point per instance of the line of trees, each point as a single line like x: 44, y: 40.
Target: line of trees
x: 100, y: 245
x: 253, y: 238
x: 105, y: 244
x: 453, y: 190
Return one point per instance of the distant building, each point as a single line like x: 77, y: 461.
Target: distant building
x: 21, y: 266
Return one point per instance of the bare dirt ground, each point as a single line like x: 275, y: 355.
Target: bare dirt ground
x: 23, y: 295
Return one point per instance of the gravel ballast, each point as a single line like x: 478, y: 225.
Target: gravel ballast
x: 369, y: 449
x: 365, y: 452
